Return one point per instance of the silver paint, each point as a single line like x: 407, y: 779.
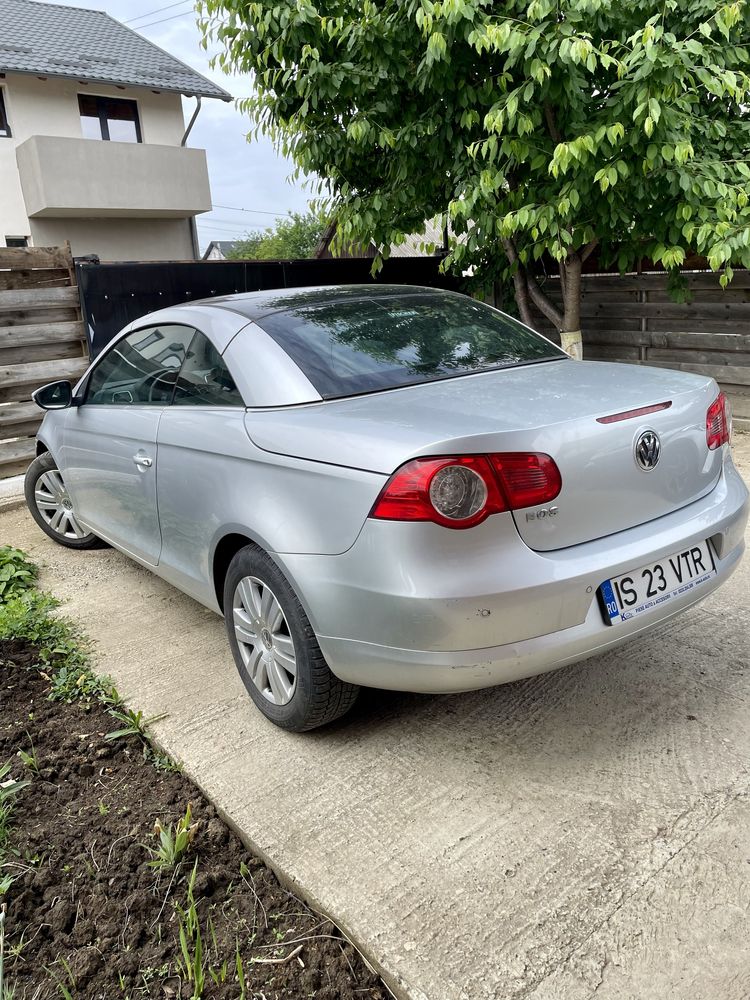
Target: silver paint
x: 396, y: 604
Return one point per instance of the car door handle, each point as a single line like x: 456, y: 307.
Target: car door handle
x: 143, y: 460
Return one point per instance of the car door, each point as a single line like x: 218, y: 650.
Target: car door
x: 109, y: 455
x: 203, y: 448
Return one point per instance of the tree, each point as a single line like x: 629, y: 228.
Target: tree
x: 542, y: 128
x: 287, y: 239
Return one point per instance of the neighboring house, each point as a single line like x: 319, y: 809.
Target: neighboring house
x: 219, y: 249
x: 412, y: 246
x: 92, y: 137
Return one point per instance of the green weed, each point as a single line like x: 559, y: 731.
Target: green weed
x: 174, y: 842
x: 134, y: 724
x: 191, y: 940
x: 17, y: 574
x: 160, y: 760
x: 29, y: 757
x: 62, y: 984
x: 240, y: 970
x: 8, y: 791
x: 62, y: 651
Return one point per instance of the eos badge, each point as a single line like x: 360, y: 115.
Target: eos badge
x: 541, y: 515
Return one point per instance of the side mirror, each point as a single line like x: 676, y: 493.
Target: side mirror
x: 54, y: 395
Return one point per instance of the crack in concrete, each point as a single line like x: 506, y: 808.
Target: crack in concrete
x: 732, y: 796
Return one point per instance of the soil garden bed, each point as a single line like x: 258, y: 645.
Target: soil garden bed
x: 94, y: 912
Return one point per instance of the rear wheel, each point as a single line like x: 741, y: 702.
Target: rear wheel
x: 52, y: 508
x: 275, y: 649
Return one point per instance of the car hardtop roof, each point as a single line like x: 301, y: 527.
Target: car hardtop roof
x: 254, y: 305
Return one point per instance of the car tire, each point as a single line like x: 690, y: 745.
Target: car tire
x: 52, y: 508
x: 261, y: 606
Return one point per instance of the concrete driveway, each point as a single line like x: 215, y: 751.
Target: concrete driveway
x: 585, y: 833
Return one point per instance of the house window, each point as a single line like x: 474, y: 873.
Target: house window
x: 109, y: 118
x: 16, y: 241
x: 4, y: 126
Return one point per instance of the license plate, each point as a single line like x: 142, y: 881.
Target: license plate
x: 642, y: 590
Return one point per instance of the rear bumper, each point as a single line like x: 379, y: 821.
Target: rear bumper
x: 417, y: 608
x: 431, y: 672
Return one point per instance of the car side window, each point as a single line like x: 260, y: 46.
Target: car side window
x: 141, y: 369
x: 204, y: 378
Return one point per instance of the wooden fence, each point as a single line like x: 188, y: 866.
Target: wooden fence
x: 632, y: 318
x: 41, y: 339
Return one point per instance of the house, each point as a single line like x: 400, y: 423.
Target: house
x: 93, y: 138
x: 219, y: 249
x: 412, y: 246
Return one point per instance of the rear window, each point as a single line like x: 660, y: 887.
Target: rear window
x: 366, y: 345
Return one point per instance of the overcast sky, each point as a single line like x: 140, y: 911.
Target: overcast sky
x: 244, y: 175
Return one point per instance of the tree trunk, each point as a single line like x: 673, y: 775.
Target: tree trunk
x: 570, y: 331
x: 528, y: 291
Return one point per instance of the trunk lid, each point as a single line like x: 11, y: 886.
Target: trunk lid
x: 551, y: 407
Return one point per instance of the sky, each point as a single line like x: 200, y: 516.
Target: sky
x: 244, y: 175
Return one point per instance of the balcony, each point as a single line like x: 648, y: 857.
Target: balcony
x: 77, y: 178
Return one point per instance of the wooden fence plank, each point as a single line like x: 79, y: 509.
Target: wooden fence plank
x: 22, y: 450
x: 683, y: 312
x: 612, y: 338
x: 39, y: 371
x: 603, y: 352
x: 737, y: 343
x: 40, y: 352
x: 29, y: 317
x: 41, y: 333
x: 47, y: 278
x: 19, y: 419
x: 729, y: 295
x: 715, y: 325
x: 17, y: 382
x: 694, y: 280
x: 729, y: 374
x: 702, y: 341
x: 690, y: 357
x: 37, y: 298
x: 36, y: 257
x: 15, y: 412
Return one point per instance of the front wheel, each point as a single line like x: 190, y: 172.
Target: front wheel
x: 275, y: 648
x: 52, y: 508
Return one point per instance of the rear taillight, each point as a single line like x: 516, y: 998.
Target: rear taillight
x: 718, y: 423
x: 527, y: 479
x: 461, y: 491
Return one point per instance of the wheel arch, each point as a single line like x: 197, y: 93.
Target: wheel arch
x: 225, y: 549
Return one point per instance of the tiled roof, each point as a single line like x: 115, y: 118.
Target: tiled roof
x: 76, y: 43
x: 222, y: 247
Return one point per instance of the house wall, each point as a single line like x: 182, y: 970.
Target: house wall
x: 118, y: 239
x: 50, y: 108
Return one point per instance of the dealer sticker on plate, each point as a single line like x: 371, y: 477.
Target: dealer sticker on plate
x: 641, y: 590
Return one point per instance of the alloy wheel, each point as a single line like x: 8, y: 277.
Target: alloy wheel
x: 55, y: 506
x: 265, y: 642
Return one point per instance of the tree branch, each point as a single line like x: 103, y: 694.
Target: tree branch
x: 533, y: 291
x: 549, y: 117
x: 589, y: 249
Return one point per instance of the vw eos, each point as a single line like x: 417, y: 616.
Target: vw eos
x: 391, y: 486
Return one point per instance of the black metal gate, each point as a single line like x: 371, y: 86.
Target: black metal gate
x: 112, y: 295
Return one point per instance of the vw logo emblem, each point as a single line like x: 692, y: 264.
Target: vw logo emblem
x: 647, y: 450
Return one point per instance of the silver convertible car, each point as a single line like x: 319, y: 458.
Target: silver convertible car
x: 391, y: 486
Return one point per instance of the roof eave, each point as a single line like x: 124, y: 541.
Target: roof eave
x: 84, y: 78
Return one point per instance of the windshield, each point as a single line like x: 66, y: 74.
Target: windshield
x: 354, y: 346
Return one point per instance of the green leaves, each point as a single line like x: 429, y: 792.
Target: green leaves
x: 624, y: 122
x: 291, y: 238
x: 17, y: 574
